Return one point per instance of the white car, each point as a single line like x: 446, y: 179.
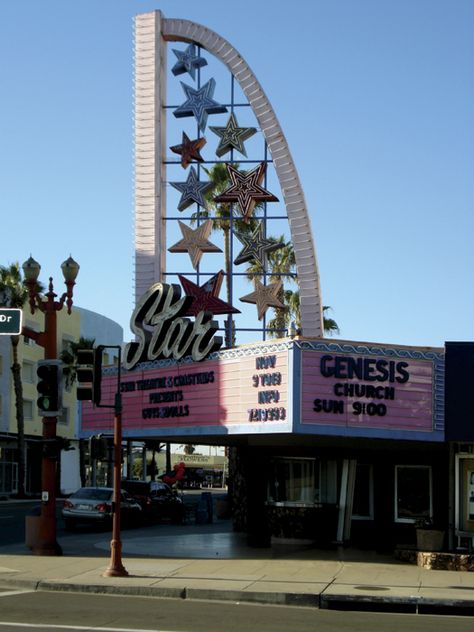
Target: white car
x: 93, y: 505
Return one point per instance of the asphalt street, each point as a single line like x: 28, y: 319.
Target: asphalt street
x: 47, y: 611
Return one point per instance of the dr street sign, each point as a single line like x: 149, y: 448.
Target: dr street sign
x: 10, y: 321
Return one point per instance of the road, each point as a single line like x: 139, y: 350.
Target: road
x: 12, y: 520
x: 46, y: 611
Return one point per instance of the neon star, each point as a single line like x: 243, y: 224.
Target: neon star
x: 206, y: 297
x: 256, y: 246
x: 188, y: 61
x: 264, y: 296
x: 199, y: 103
x: 195, y: 242
x: 189, y: 150
x: 232, y: 136
x: 192, y: 190
x: 246, y: 189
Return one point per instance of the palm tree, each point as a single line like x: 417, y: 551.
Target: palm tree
x: 292, y: 317
x: 282, y: 262
x: 69, y: 357
x: 224, y: 221
x: 13, y: 293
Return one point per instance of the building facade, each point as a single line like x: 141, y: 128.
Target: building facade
x: 70, y: 327
x: 337, y: 441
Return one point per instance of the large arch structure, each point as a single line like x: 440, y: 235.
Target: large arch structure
x: 152, y: 31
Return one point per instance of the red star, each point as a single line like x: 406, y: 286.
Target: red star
x: 246, y: 189
x: 206, y: 297
x: 189, y: 150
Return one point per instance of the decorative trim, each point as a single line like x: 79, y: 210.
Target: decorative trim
x: 237, y: 352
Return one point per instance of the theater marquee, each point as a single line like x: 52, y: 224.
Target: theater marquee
x: 244, y: 391
x: 358, y: 388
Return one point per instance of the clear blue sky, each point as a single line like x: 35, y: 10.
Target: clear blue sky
x: 375, y: 97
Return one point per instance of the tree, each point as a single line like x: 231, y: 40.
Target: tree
x: 282, y: 264
x: 13, y: 293
x: 188, y: 448
x: 69, y: 357
x: 223, y: 220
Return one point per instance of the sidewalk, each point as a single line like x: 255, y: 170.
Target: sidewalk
x: 211, y: 562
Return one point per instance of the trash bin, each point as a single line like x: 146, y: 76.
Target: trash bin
x: 206, y: 505
x: 32, y: 526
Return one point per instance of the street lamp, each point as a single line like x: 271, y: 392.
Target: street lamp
x: 46, y: 543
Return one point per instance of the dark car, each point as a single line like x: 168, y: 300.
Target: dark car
x: 158, y: 500
x: 93, y: 505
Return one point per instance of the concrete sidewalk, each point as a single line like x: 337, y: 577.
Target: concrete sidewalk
x: 211, y: 562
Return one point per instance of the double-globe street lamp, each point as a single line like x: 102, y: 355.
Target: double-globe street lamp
x: 45, y: 540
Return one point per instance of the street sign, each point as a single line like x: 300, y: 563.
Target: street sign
x: 10, y: 321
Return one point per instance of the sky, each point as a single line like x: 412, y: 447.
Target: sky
x: 376, y: 101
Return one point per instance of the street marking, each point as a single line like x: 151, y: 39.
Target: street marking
x: 86, y: 628
x: 8, y: 593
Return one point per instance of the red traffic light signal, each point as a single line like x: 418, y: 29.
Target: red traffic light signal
x: 49, y: 387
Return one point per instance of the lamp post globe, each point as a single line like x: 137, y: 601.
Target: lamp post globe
x: 70, y: 269
x: 31, y: 270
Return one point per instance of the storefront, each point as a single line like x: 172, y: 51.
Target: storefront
x: 460, y: 435
x: 336, y: 441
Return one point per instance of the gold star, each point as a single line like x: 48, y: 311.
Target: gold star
x: 195, y: 242
x: 264, y: 296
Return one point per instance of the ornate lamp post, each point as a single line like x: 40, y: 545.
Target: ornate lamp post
x: 46, y: 543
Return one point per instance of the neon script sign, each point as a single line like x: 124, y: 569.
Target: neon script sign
x: 163, y: 332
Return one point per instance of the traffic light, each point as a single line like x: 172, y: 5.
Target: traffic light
x: 49, y: 387
x: 52, y: 447
x: 99, y: 447
x: 89, y: 374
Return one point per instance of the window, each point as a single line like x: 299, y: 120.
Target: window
x: 63, y: 419
x: 363, y: 502
x: 413, y: 493
x: 27, y: 410
x: 293, y: 481
x: 27, y: 372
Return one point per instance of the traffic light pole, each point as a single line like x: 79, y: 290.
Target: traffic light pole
x: 116, y: 567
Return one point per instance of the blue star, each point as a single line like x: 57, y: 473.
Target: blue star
x: 192, y: 190
x: 188, y: 61
x: 199, y: 103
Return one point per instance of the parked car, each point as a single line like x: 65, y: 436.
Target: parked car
x: 93, y: 505
x: 158, y: 500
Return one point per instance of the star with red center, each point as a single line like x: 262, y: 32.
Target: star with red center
x: 206, y: 297
x: 264, y: 296
x: 195, y: 241
x: 246, y: 189
x: 189, y: 150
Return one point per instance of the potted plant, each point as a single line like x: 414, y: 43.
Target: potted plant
x: 428, y: 537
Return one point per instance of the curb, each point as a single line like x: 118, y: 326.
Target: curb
x: 343, y: 602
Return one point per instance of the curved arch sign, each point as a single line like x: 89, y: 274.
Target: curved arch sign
x: 152, y: 32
